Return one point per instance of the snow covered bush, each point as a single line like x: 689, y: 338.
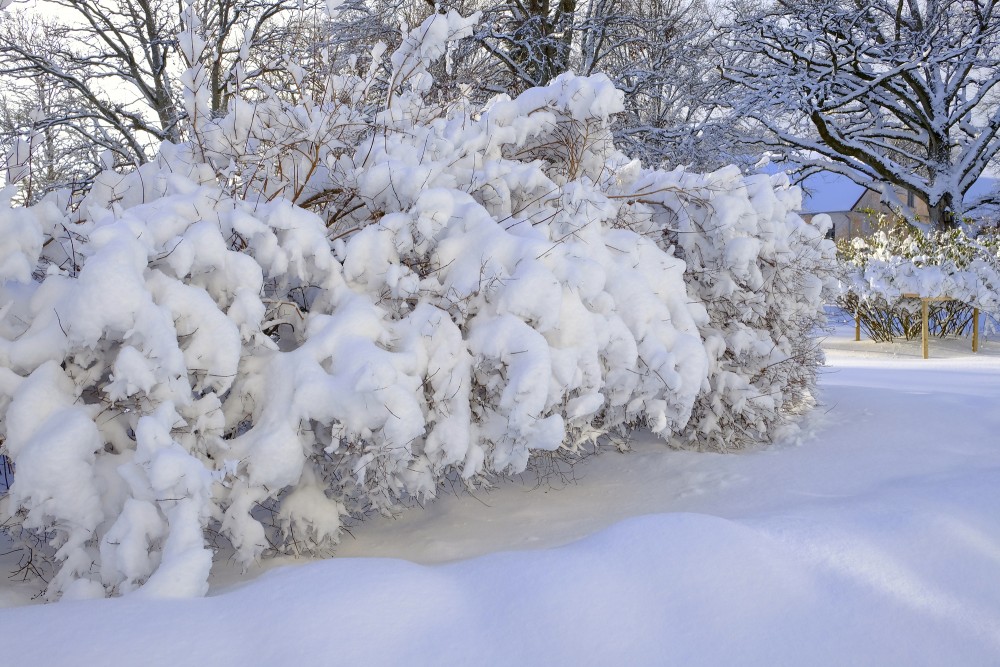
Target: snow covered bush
x: 879, y: 270
x: 188, y: 355
x: 763, y: 275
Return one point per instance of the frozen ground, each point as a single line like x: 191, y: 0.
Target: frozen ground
x: 874, y: 540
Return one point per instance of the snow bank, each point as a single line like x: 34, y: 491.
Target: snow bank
x: 873, y: 543
x: 190, y: 354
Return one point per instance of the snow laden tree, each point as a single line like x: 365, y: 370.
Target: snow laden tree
x: 42, y: 154
x: 191, y: 362
x: 656, y: 52
x: 884, y: 92
x: 47, y: 143
x: 533, y: 40
x: 118, y: 62
x: 659, y: 55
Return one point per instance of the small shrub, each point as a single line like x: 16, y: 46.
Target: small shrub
x: 901, y: 259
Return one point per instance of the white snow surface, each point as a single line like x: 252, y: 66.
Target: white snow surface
x: 874, y: 539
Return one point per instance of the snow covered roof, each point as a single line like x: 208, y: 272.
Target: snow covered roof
x: 826, y: 192
x: 823, y: 192
x: 984, y: 185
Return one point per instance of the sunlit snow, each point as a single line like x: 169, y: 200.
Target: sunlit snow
x: 874, y: 540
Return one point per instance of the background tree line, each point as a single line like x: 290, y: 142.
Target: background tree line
x: 883, y: 91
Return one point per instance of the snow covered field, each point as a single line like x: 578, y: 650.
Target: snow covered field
x: 875, y: 540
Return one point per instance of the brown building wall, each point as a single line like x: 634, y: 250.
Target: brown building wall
x: 861, y: 219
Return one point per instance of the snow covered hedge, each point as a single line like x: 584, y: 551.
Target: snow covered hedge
x: 763, y: 275
x: 188, y: 353
x: 879, y: 270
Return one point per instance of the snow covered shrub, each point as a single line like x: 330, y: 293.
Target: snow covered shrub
x: 309, y: 140
x: 880, y: 269
x: 189, y: 353
x: 763, y: 275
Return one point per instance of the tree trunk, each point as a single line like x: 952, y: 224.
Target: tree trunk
x: 942, y: 214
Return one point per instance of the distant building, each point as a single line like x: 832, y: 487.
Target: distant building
x: 854, y: 209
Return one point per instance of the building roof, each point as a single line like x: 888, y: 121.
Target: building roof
x: 826, y: 192
x: 984, y: 185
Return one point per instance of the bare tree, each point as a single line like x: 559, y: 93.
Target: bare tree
x: 119, y: 60
x: 531, y: 38
x: 891, y: 91
x: 659, y: 52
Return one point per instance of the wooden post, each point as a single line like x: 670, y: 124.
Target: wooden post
x: 923, y: 325
x: 975, y: 330
x: 857, y: 325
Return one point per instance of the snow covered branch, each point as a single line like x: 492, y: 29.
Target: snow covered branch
x: 902, y: 93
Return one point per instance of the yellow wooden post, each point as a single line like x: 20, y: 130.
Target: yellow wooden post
x: 923, y: 326
x: 857, y: 325
x: 975, y: 330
